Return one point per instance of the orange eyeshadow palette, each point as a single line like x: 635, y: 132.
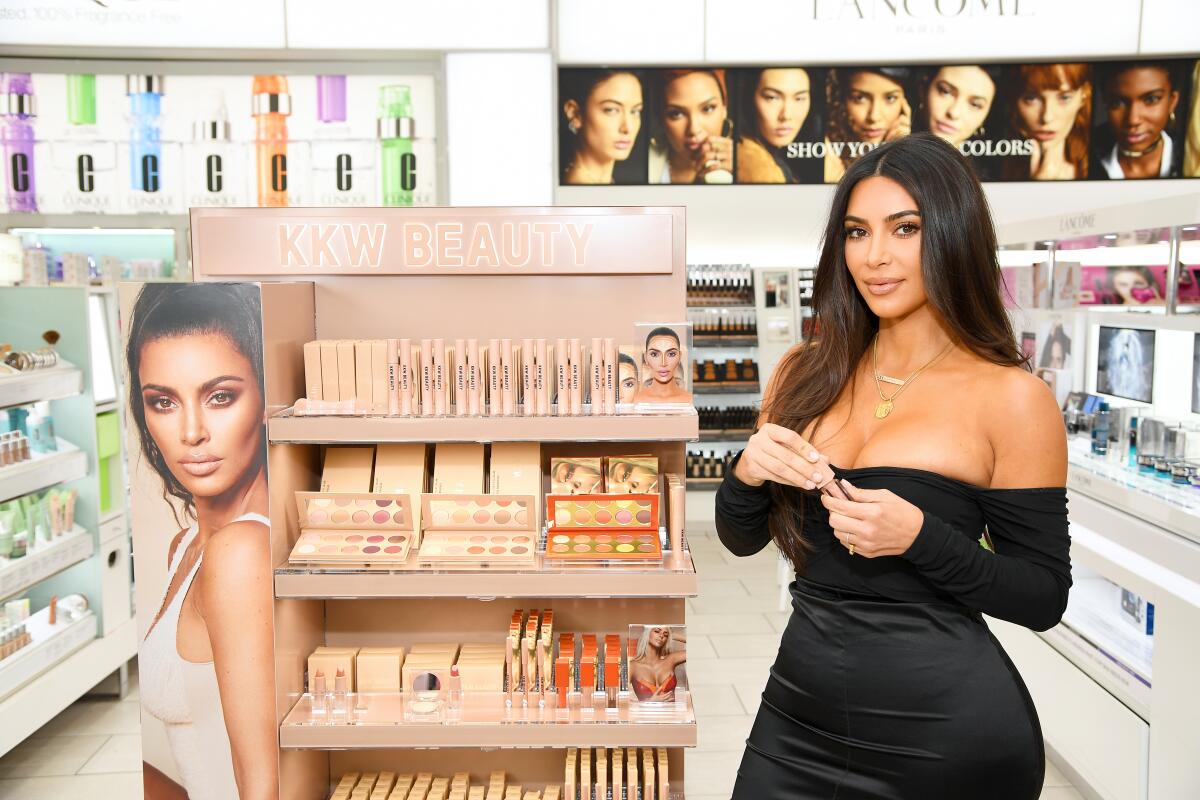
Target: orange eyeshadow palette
x: 603, y: 527
x: 478, y: 529
x: 346, y: 528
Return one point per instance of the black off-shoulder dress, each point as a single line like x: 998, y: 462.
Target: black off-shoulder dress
x: 888, y: 683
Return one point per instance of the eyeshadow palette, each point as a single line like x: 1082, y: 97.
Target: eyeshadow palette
x: 350, y: 527
x: 603, y: 527
x: 479, y: 529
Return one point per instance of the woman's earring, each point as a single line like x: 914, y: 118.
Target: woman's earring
x: 1171, y: 119
x: 573, y: 126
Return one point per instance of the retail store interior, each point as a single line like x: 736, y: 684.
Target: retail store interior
x: 482, y: 372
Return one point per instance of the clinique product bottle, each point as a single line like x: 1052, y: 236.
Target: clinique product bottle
x: 17, y: 110
x: 271, y: 105
x: 342, y: 167
x: 214, y: 167
x: 153, y: 164
x: 84, y: 162
x: 395, y: 130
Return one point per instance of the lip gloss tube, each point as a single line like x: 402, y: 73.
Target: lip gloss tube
x: 562, y: 363
x: 271, y: 105
x: 541, y: 378
x: 17, y: 111
x: 576, y: 376
x: 474, y: 381
x: 596, y: 376
x: 145, y: 136
x: 495, y: 402
x: 393, y: 371
x: 439, y: 377
x: 406, y: 377
x: 610, y: 375
x: 507, y: 378
x: 460, y: 377
x: 678, y: 496
x: 528, y: 390
x: 427, y: 404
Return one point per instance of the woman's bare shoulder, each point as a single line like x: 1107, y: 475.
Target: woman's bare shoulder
x: 1025, y: 429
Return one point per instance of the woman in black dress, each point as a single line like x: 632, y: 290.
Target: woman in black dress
x: 888, y: 683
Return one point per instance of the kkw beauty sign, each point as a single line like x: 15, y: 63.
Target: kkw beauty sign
x: 1068, y: 120
x: 474, y: 241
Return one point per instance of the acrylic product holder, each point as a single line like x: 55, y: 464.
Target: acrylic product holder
x: 354, y: 527
x: 603, y: 527
x: 477, y: 529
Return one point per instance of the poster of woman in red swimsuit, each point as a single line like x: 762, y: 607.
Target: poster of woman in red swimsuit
x: 657, y: 668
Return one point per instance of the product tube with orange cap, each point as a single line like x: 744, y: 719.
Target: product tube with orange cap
x: 271, y: 105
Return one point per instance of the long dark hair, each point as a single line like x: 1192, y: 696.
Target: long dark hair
x: 962, y: 281
x: 232, y: 310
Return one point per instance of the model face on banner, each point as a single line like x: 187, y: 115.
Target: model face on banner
x: 1140, y: 103
x: 883, y: 247
x: 958, y: 102
x: 202, y: 405
x: 1133, y: 286
x: 694, y: 111
x: 1048, y: 115
x: 874, y: 104
x: 612, y: 118
x: 782, y: 100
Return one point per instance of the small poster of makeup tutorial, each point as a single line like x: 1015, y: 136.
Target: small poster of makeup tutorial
x: 654, y: 373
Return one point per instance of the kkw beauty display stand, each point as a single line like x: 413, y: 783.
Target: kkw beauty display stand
x: 481, y: 273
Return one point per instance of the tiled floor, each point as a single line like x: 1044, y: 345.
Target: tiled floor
x: 93, y: 748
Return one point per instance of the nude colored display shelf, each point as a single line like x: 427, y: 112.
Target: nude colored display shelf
x: 703, y: 483
x: 675, y: 577
x: 53, y: 383
x: 51, y: 644
x: 732, y: 305
x: 1170, y: 506
x: 43, y: 560
x: 42, y: 471
x: 725, y: 341
x: 286, y: 428
x: 729, y: 435
x: 726, y: 388
x: 385, y: 720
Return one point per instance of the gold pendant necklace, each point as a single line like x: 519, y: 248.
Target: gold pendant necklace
x: 886, y: 404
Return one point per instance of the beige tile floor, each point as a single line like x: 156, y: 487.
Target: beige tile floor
x: 93, y: 748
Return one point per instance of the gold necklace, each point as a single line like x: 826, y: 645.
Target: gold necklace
x: 886, y: 403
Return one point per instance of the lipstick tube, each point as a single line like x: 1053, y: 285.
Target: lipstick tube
x: 145, y: 136
x: 507, y: 379
x: 596, y: 377
x: 474, y: 377
x: 440, y: 385
x: 17, y: 110
x: 576, y: 377
x: 394, y: 128
x: 393, y: 377
x: 460, y: 377
x: 427, y: 401
x: 562, y: 387
x: 271, y: 105
x: 541, y: 378
x: 405, y: 377
x: 610, y: 376
x: 495, y: 402
x: 528, y: 378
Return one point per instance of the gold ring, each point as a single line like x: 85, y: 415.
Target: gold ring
x: 851, y: 547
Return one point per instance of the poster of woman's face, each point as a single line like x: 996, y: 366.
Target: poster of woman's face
x: 866, y: 106
x: 194, y: 367
x: 1051, y: 106
x: 1055, y: 346
x: 1132, y: 285
x: 665, y: 370
x: 1125, y: 363
x: 778, y: 124
x: 601, y: 137
x: 1139, y: 120
x: 691, y: 130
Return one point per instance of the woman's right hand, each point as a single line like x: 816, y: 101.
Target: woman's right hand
x: 779, y: 454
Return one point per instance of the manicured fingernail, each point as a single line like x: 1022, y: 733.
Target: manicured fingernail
x: 809, y: 485
x: 813, y: 455
x: 817, y: 477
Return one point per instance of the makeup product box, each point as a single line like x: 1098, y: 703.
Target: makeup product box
x: 379, y: 377
x: 377, y: 669
x: 478, y: 529
x: 578, y: 475
x: 630, y: 474
x: 312, y: 371
x: 400, y: 469
x: 330, y: 385
x: 354, y: 528
x: 347, y: 385
x: 458, y: 469
x: 603, y: 527
x: 364, y: 380
x: 347, y: 469
x: 329, y: 660
x: 516, y: 468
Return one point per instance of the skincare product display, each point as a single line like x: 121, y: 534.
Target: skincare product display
x: 720, y: 285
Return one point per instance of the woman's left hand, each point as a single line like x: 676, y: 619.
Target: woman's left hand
x: 876, y: 522
x: 716, y: 153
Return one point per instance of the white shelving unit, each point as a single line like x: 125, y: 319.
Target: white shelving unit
x: 51, y: 645
x: 44, y: 560
x: 43, y: 471
x: 53, y: 383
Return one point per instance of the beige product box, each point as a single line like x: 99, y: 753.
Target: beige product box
x: 377, y: 669
x: 379, y: 376
x: 347, y: 387
x: 364, y: 377
x: 312, y: 371
x: 383, y: 786
x: 403, y: 784
x: 400, y: 469
x: 34, y: 269
x: 329, y: 660
x: 482, y: 673
x: 516, y: 468
x: 330, y: 385
x: 458, y: 469
x: 347, y: 469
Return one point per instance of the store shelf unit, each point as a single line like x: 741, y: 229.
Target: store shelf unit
x: 92, y: 559
x: 413, y: 604
x: 51, y: 644
x: 54, y: 383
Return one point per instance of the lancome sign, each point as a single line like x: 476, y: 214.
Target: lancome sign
x: 842, y: 31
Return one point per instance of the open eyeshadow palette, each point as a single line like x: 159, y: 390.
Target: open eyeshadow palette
x: 603, y: 527
x: 353, y: 528
x: 484, y: 528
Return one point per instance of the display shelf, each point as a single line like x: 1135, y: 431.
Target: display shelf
x: 378, y: 721
x: 730, y: 435
x: 725, y: 388
x: 703, y: 483
x: 1094, y: 612
x: 53, y: 383
x: 725, y: 341
x: 51, y: 644
x: 42, y: 471
x: 1175, y: 508
x: 287, y: 428
x: 44, y: 560
x: 676, y: 577
x: 723, y: 307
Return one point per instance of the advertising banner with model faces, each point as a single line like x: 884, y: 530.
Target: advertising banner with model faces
x: 1112, y: 120
x: 201, y: 531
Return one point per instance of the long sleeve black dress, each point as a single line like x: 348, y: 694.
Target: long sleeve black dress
x: 888, y: 683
